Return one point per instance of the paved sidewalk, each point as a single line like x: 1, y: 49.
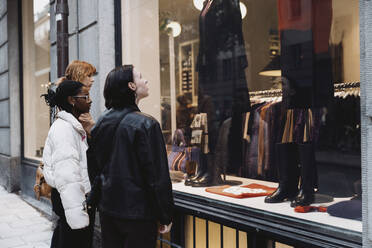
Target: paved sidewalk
x: 22, y: 226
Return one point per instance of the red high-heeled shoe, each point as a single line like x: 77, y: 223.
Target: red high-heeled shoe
x: 306, y: 209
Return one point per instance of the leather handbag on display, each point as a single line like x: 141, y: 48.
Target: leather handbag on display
x: 183, y: 158
x: 41, y: 188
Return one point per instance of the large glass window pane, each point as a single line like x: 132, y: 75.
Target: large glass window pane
x: 222, y: 51
x: 260, y: 90
x: 36, y: 71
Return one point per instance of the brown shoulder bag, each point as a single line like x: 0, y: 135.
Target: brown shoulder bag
x: 41, y: 188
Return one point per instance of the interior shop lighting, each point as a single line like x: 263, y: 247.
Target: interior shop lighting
x: 199, y: 5
x: 175, y: 27
x: 272, y: 69
x: 243, y: 9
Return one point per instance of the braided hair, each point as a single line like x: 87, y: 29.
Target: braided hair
x: 59, y: 98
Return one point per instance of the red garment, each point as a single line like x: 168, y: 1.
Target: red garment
x: 315, y: 15
x: 219, y: 191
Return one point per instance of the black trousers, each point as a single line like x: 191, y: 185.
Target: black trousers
x: 63, y: 235
x: 119, y: 233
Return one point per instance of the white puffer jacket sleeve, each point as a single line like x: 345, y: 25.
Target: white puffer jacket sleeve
x: 66, y: 172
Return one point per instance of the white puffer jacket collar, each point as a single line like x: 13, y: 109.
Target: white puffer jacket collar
x: 73, y: 121
x: 65, y: 166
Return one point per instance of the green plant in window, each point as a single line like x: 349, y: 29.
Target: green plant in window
x: 164, y: 20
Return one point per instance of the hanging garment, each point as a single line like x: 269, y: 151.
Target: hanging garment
x: 340, y: 126
x: 276, y: 127
x: 262, y: 139
x: 250, y: 143
x: 252, y: 158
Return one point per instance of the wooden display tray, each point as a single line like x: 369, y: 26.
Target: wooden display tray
x: 219, y: 190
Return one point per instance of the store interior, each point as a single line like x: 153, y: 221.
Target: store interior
x: 259, y: 62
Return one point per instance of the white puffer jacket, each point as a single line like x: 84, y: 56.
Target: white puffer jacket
x: 65, y: 166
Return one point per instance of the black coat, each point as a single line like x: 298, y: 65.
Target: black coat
x: 220, y: 64
x: 135, y: 178
x: 221, y: 31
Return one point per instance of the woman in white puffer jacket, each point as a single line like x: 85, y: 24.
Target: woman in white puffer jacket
x: 65, y: 166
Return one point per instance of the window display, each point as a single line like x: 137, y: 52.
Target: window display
x: 258, y: 90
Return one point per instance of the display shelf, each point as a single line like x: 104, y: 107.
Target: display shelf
x: 277, y: 221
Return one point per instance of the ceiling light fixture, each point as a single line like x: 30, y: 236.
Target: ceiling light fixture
x: 199, y: 5
x: 175, y: 27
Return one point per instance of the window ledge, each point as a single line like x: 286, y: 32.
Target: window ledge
x: 253, y: 215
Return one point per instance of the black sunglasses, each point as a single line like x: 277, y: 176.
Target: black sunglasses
x: 87, y: 97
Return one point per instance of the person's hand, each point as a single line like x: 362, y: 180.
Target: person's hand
x: 165, y: 228
x: 87, y: 122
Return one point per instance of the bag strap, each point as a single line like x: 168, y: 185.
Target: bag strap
x: 116, y: 125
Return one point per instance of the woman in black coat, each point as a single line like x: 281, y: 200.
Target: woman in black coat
x: 127, y: 156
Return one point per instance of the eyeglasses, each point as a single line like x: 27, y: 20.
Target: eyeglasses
x: 87, y: 97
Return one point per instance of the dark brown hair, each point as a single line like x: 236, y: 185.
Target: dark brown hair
x: 116, y: 91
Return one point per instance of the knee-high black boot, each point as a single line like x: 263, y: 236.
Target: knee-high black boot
x: 308, y: 175
x: 212, y: 177
x: 201, y: 170
x: 288, y: 173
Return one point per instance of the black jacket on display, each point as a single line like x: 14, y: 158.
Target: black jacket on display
x: 221, y: 67
x: 128, y: 147
x: 220, y: 30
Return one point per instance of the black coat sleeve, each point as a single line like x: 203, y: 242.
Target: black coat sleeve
x: 154, y: 163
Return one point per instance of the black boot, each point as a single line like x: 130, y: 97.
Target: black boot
x: 201, y: 170
x: 308, y: 175
x: 288, y: 173
x: 212, y: 177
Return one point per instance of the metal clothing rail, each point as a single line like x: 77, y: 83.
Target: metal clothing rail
x: 266, y: 93
x: 342, y: 86
x: 276, y: 92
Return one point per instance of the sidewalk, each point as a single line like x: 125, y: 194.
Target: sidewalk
x: 22, y: 226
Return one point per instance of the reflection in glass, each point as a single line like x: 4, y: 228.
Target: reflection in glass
x: 36, y: 50
x: 244, y: 74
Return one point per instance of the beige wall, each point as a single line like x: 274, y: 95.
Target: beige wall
x: 345, y: 27
x: 261, y: 17
x: 140, y: 22
x: 36, y: 67
x: 29, y: 90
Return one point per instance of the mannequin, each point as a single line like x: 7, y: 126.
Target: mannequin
x: 306, y: 67
x: 221, y: 63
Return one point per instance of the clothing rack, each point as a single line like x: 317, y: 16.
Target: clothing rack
x: 351, y: 85
x: 278, y: 92
x: 266, y: 93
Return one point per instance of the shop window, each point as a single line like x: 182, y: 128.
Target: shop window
x: 36, y: 75
x: 250, y: 79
